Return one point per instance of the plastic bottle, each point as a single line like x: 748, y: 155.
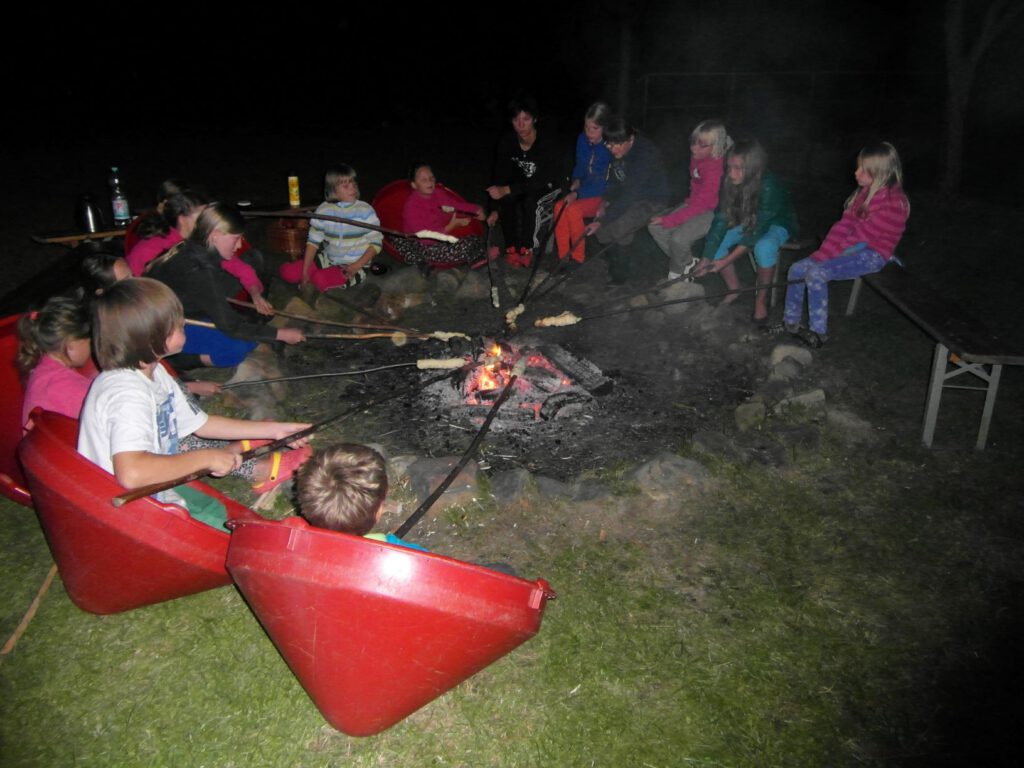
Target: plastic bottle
x: 118, y: 201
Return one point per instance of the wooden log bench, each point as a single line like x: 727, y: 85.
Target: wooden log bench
x: 962, y: 343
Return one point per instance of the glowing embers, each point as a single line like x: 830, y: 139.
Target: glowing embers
x: 540, y: 377
x: 550, y: 385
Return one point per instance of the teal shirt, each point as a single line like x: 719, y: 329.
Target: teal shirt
x: 773, y: 208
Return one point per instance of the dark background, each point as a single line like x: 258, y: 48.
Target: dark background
x: 239, y: 99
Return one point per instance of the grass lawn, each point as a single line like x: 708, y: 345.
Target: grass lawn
x: 841, y: 610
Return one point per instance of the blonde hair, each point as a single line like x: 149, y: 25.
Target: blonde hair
x: 712, y: 131
x: 343, y: 487
x: 882, y: 163
x: 131, y: 322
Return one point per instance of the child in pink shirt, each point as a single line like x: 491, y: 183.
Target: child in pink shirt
x: 677, y: 231
x: 55, y: 357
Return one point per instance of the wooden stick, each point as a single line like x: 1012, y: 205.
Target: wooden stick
x: 255, y: 453
x: 423, y: 234
x: 234, y: 384
x: 30, y: 613
x: 428, y: 502
x: 320, y: 321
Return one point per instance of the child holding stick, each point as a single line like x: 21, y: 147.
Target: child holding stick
x: 135, y: 416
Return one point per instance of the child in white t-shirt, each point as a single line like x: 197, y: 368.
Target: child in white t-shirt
x: 135, y: 415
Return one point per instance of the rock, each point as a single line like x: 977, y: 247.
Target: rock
x: 637, y: 302
x: 510, y: 485
x: 329, y: 309
x: 813, y: 402
x: 426, y: 474
x: 750, y: 415
x: 666, y: 474
x: 295, y: 306
x: 549, y: 488
x: 401, y: 280
x: 445, y: 281
x: 852, y: 429
x: 714, y: 444
x: 677, y: 291
x: 362, y: 296
x: 801, y: 355
x: 398, y: 466
x: 786, y: 369
x: 475, y: 286
x: 774, y: 390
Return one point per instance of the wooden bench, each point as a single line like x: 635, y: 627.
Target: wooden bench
x: 962, y: 343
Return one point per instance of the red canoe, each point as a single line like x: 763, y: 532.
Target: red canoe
x: 389, y: 203
x: 374, y: 631
x: 12, y: 481
x: 110, y: 559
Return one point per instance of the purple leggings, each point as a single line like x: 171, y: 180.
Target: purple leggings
x: 853, y: 262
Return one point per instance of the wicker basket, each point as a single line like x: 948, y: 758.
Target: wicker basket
x: 288, y: 236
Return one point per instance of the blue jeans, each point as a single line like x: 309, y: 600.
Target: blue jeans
x: 766, y: 250
x: 224, y: 351
x: 855, y: 261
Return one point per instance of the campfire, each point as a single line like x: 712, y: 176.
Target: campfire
x: 554, y: 384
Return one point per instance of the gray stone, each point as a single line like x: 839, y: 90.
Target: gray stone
x: 402, y: 280
x: 786, y: 369
x: 813, y: 402
x: 445, y: 281
x: 329, y: 309
x: 637, y: 302
x: 677, y: 291
x: 801, y: 355
x: 427, y: 474
x: 851, y: 428
x: 474, y: 286
x: 750, y: 415
x: 510, y: 485
x: 398, y: 466
x: 667, y: 473
x: 549, y: 488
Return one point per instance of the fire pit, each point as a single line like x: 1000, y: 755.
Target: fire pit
x: 554, y: 384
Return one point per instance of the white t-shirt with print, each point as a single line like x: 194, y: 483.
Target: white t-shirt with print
x: 125, y: 410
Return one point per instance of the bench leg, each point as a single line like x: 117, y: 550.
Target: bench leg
x: 931, y: 410
x: 854, y: 295
x: 990, y: 404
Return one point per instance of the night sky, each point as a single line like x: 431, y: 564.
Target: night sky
x: 100, y: 79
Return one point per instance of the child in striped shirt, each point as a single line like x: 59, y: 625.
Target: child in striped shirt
x: 860, y: 243
x: 337, y: 252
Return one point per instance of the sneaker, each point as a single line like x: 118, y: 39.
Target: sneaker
x: 674, y: 275
x: 810, y: 338
x: 689, y: 267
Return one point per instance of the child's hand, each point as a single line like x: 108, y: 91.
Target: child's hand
x: 221, y: 462
x: 657, y: 219
x: 290, y: 335
x: 457, y: 222
x: 203, y: 388
x: 263, y: 306
x: 499, y: 191
x: 492, y: 218
x: 592, y: 227
x: 703, y: 267
x: 283, y: 429
x: 571, y: 197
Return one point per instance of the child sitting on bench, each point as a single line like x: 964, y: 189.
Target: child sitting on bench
x: 860, y: 243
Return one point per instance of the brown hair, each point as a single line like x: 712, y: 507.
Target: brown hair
x: 342, y: 487
x: 741, y: 201
x: 62, y: 319
x: 131, y: 321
